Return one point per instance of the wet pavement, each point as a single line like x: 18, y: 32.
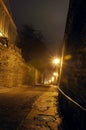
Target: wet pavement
x: 44, y: 114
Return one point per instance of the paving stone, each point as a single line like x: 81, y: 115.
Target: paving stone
x: 46, y: 118
x: 44, y: 114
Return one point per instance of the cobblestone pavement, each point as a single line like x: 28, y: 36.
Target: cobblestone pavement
x: 44, y: 114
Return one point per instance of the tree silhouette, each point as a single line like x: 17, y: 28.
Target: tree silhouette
x: 32, y: 45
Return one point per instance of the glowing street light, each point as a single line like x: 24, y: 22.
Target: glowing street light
x: 52, y: 79
x: 56, y: 61
x: 1, y: 34
x: 55, y: 74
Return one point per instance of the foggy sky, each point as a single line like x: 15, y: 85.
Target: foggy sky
x: 49, y: 16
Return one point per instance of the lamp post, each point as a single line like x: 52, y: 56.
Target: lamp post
x: 56, y: 62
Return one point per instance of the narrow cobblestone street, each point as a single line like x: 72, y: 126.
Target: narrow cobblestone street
x: 44, y: 114
x: 30, y: 108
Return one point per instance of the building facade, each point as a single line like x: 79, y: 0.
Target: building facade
x: 73, y: 74
x: 7, y: 26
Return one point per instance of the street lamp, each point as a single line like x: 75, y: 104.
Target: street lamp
x: 52, y: 79
x: 56, y: 61
x: 55, y: 74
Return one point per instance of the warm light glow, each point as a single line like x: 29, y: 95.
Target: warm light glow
x: 52, y: 79
x: 68, y: 57
x: 1, y: 34
x: 56, y: 61
x: 55, y: 74
x: 45, y: 82
x: 49, y: 81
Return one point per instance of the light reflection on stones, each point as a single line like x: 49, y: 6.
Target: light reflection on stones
x: 13, y: 71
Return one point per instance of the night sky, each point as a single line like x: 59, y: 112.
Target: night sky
x: 49, y: 16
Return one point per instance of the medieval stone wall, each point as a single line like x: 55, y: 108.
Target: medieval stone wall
x: 13, y: 70
x: 73, y: 75
x: 73, y: 80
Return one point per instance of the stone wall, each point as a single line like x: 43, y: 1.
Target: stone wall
x: 13, y: 70
x: 73, y: 76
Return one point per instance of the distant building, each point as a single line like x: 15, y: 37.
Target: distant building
x: 7, y: 25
